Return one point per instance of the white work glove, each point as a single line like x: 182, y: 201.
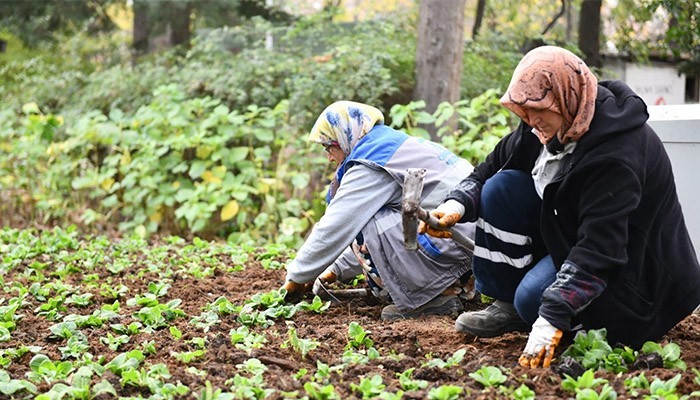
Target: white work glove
x: 448, y: 214
x: 543, y: 340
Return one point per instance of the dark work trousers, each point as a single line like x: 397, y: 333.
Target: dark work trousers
x: 510, y: 261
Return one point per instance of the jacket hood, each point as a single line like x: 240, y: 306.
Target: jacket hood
x: 617, y: 109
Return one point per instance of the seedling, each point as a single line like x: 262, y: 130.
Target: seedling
x: 317, y: 305
x: 42, y: 368
x: 133, y: 328
x: 174, y: 332
x: 252, y: 366
x: 369, y: 387
x: 358, y: 337
x: 80, y: 300
x: 606, y: 393
x: 452, y: 361
x: 521, y: 393
x: 114, y: 342
x: 188, y: 356
x: 64, y: 330
x: 318, y: 392
x: 210, y: 393
x: 585, y: 381
x: 301, y: 346
x: 589, y: 348
x: 76, y: 346
x: 10, y: 386
x: 408, y: 383
x: 445, y: 392
x: 636, y: 382
x: 670, y: 353
x: 660, y: 389
x: 488, y: 376
x: 246, y: 340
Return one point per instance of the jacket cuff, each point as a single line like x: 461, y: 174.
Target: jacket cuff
x: 572, y: 291
x: 468, y: 193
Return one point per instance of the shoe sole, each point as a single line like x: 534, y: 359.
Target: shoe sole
x: 510, y: 327
x: 455, y: 307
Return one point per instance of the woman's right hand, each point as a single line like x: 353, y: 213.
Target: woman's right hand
x: 295, y: 291
x: 447, y: 214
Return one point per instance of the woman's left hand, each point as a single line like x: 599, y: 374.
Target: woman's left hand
x: 543, y: 340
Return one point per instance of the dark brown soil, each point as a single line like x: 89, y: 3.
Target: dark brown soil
x: 402, y: 345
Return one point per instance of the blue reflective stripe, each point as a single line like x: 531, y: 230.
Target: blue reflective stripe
x: 429, y: 246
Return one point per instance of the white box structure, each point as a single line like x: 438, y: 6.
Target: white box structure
x: 678, y: 126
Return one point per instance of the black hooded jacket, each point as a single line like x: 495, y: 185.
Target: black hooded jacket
x: 611, y: 220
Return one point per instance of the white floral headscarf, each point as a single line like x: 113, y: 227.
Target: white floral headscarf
x: 345, y: 122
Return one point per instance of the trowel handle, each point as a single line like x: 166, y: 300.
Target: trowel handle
x: 457, y: 236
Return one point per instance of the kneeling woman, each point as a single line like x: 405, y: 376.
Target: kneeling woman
x: 361, y: 230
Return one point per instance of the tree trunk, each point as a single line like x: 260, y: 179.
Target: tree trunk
x: 569, y: 20
x: 439, y: 53
x: 478, y: 18
x: 180, y: 21
x: 141, y: 27
x: 589, y: 32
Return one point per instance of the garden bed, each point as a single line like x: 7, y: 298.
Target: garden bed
x: 200, y: 340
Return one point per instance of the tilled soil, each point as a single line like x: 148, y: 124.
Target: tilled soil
x: 402, y: 345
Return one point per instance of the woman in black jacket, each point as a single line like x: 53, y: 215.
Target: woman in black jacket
x: 578, y: 220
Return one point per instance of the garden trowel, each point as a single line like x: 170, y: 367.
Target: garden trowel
x: 337, y: 296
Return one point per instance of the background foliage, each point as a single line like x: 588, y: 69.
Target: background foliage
x: 209, y: 139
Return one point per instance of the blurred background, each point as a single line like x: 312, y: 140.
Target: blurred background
x: 189, y: 117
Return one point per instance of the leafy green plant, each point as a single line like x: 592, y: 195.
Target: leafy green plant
x: 660, y: 389
x: 300, y: 345
x: 211, y: 393
x: 125, y: 361
x: 187, y: 357
x: 586, y: 381
x: 358, y: 337
x: 158, y: 316
x: 670, y: 353
x: 133, y: 328
x: 488, y: 376
x: 249, y: 388
x: 451, y: 361
x: 445, y: 392
x: 43, y: 369
x: 606, y: 393
x: 522, y: 392
x: 369, y: 387
x: 114, y: 342
x: 633, y: 384
x: 320, y: 392
x: 317, y: 305
x: 246, y: 340
x: 589, y: 348
x: 9, y: 386
x: 408, y: 383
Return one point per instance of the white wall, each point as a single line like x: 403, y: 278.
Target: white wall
x: 678, y: 126
x: 656, y: 83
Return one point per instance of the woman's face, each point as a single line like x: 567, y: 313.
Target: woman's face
x: 335, y: 154
x: 547, y: 122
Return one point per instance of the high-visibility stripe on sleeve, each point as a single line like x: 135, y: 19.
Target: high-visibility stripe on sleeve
x: 504, y: 236
x: 498, y: 257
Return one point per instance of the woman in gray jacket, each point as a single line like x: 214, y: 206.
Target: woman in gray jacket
x: 361, y: 230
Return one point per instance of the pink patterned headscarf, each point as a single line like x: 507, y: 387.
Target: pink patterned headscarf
x: 555, y: 79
